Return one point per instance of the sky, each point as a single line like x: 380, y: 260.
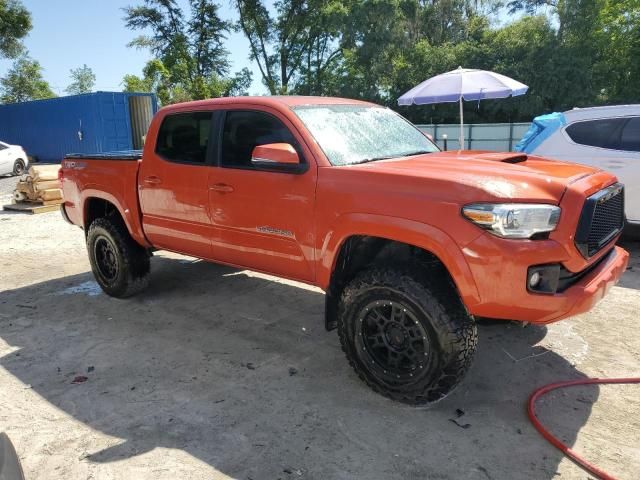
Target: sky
x: 69, y: 33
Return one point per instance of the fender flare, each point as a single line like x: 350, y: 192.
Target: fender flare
x: 418, y: 234
x: 129, y: 216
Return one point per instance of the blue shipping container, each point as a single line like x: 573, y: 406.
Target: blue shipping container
x: 89, y: 123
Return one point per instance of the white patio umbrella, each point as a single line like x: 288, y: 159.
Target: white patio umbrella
x: 462, y: 84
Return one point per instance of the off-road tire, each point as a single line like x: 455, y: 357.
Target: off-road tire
x: 132, y: 263
x: 432, y: 300
x: 19, y: 167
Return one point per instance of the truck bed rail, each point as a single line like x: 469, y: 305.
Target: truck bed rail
x: 126, y: 155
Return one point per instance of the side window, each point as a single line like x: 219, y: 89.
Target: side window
x: 603, y: 133
x: 245, y: 130
x: 184, y: 137
x: 630, y: 139
x: 3, y: 146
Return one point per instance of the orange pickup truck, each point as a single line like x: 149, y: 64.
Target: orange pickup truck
x: 409, y: 243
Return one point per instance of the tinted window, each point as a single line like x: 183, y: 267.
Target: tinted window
x: 630, y: 139
x: 245, y: 130
x: 184, y: 137
x: 3, y: 146
x: 603, y: 133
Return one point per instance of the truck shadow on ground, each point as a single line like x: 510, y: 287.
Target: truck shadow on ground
x: 238, y: 371
x: 633, y: 247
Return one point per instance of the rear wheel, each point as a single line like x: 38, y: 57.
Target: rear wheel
x: 406, y: 338
x: 19, y: 167
x: 120, y: 266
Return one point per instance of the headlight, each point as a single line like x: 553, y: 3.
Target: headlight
x: 513, y: 220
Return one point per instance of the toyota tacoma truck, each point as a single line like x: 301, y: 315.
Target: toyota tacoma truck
x: 409, y: 243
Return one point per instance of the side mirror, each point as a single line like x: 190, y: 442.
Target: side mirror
x: 281, y: 157
x: 282, y: 153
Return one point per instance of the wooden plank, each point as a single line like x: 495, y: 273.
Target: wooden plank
x: 52, y: 194
x: 46, y: 185
x: 44, y: 172
x: 33, y: 208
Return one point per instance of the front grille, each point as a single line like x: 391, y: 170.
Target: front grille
x: 601, y: 220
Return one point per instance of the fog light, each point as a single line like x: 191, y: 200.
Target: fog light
x: 534, y: 279
x: 543, y: 278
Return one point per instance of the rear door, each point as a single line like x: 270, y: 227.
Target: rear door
x: 263, y: 219
x: 173, y: 184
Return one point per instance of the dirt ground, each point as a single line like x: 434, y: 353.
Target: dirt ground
x: 217, y: 373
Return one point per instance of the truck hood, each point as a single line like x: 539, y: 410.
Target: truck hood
x: 513, y: 176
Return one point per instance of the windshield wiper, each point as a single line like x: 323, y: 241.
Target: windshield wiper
x: 373, y: 159
x: 417, y: 152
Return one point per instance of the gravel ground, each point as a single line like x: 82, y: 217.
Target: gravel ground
x: 218, y: 373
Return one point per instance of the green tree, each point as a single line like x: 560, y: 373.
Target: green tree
x: 15, y: 23
x: 83, y: 80
x: 24, y: 82
x: 296, y: 45
x: 191, y: 61
x: 617, y: 36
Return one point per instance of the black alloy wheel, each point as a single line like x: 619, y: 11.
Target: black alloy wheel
x: 391, y: 341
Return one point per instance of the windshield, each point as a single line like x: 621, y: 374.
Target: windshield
x: 350, y: 134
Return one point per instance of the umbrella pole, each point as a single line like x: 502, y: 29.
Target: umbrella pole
x: 461, y: 138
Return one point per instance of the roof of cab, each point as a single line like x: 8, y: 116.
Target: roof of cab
x: 273, y: 101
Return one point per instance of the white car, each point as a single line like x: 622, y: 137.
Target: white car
x: 13, y: 159
x: 604, y: 137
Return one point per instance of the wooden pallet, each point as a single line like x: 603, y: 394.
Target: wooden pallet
x: 34, y: 207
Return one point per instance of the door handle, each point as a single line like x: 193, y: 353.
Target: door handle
x: 221, y: 187
x: 152, y: 180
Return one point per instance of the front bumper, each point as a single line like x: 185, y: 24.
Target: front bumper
x: 499, y: 268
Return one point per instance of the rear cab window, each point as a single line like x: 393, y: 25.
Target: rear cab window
x: 184, y: 137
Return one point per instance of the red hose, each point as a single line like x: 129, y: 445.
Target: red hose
x: 553, y: 440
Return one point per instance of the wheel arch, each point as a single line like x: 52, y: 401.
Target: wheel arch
x: 366, y: 240
x: 100, y: 204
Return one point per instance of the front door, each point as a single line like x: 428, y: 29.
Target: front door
x: 173, y: 185
x: 263, y: 219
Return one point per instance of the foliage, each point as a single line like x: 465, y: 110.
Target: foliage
x: 15, y: 23
x: 24, y: 82
x: 83, y: 80
x: 617, y: 33
x: 570, y: 52
x: 191, y: 61
x: 295, y: 45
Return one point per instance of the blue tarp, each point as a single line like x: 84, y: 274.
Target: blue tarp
x: 541, y: 128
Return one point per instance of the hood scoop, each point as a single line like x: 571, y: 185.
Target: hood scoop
x: 503, y: 157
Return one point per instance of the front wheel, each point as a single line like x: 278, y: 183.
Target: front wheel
x: 19, y: 167
x: 120, y: 266
x: 406, y: 336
